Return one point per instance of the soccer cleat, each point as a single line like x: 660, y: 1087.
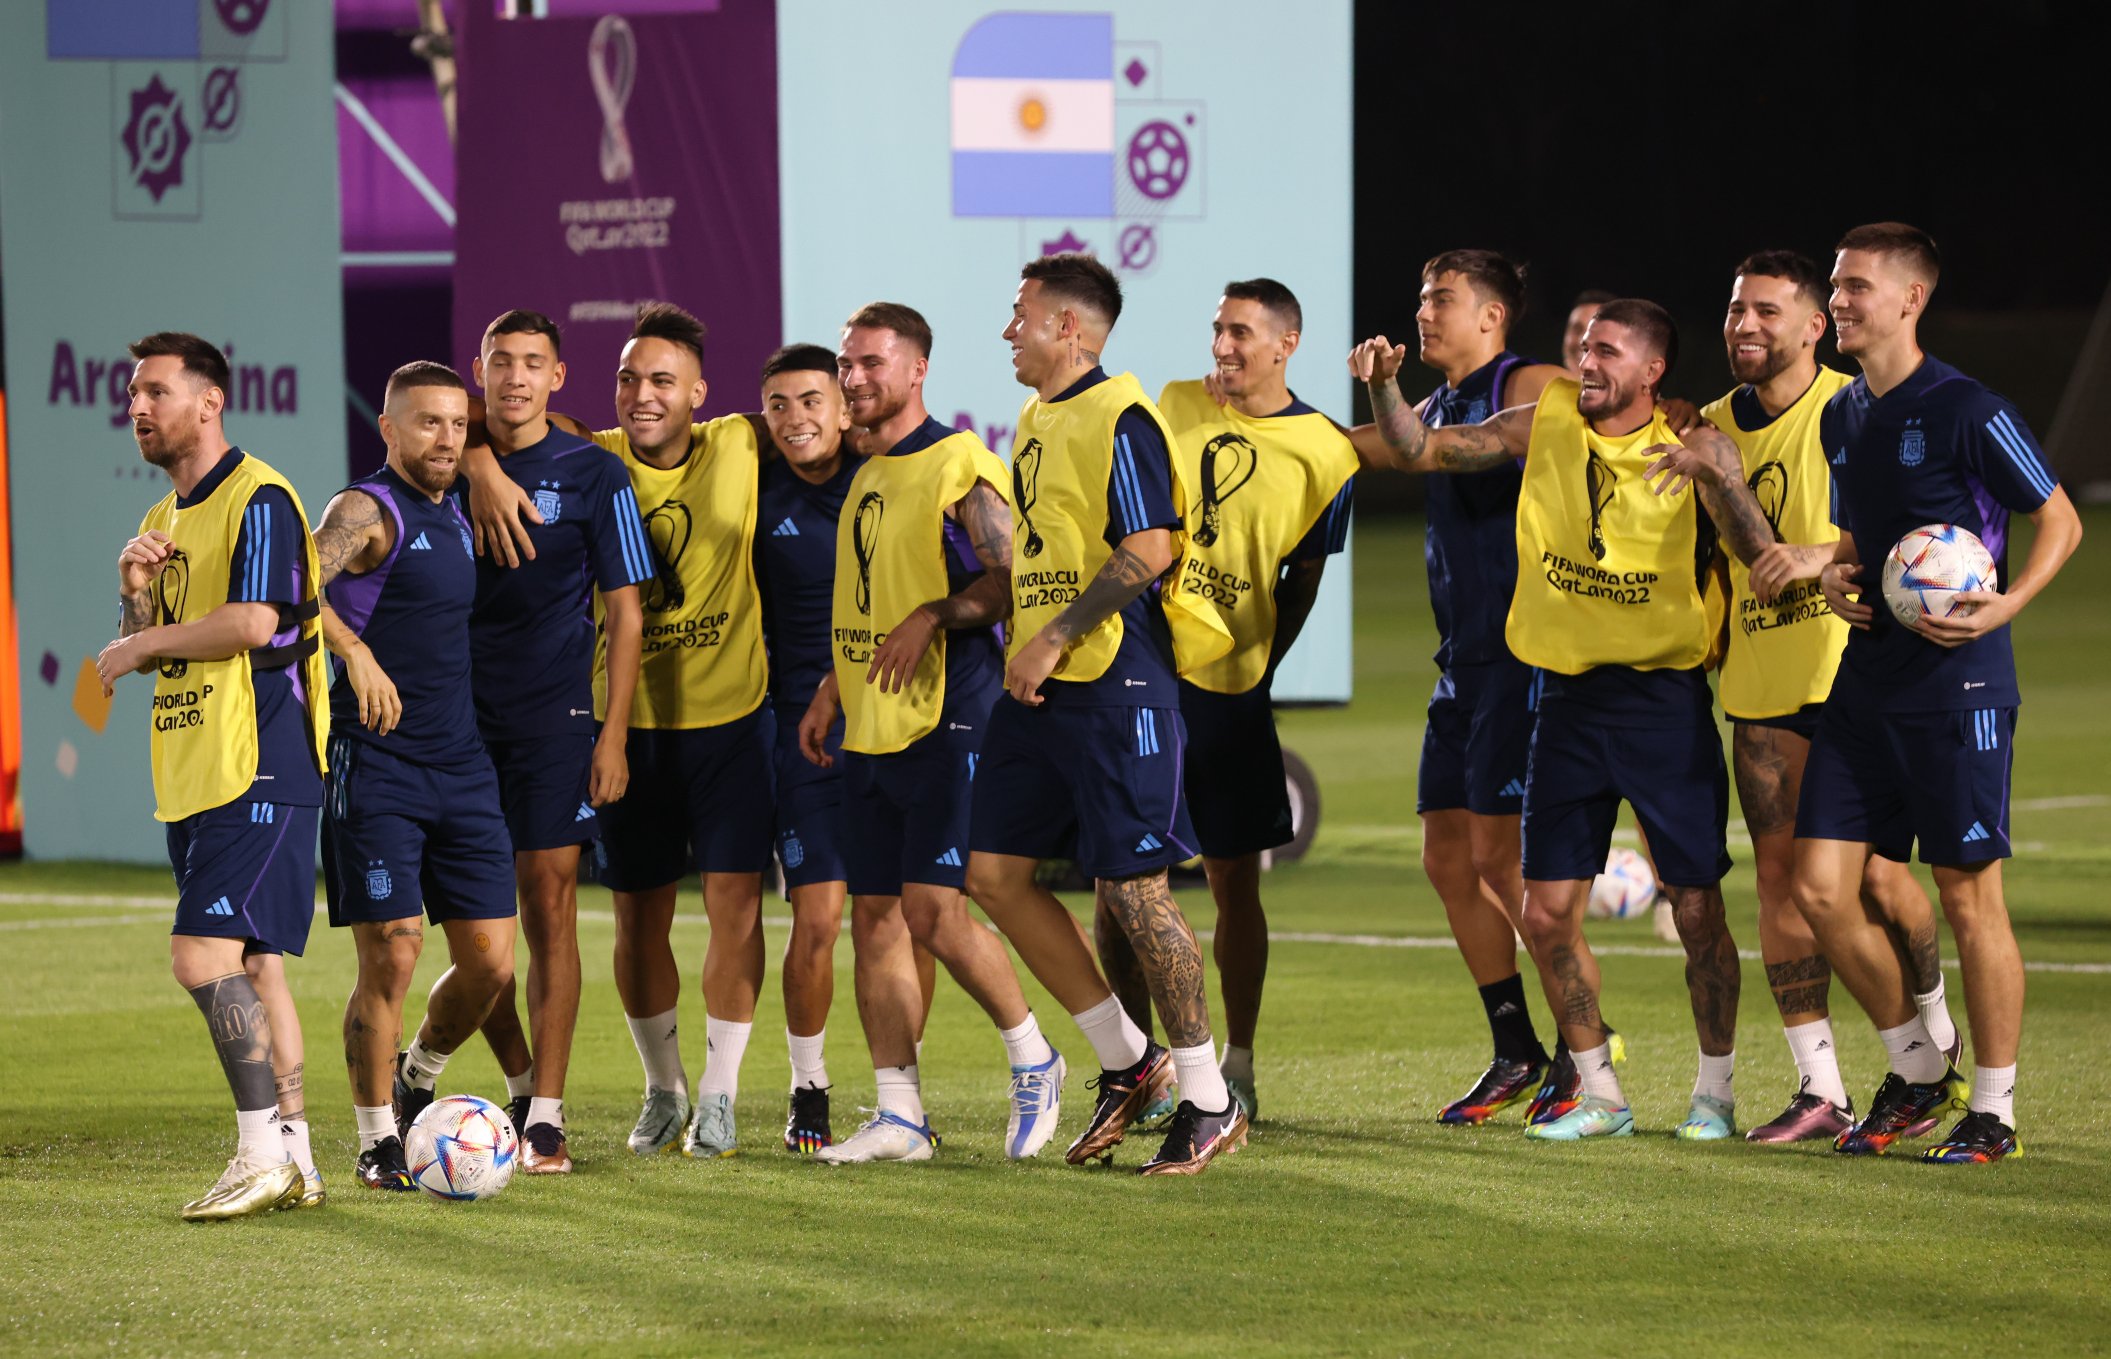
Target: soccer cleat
x: 409, y: 1100
x: 543, y: 1151
x: 1807, y: 1118
x: 1037, y: 1102
x: 1977, y: 1139
x: 711, y: 1133
x: 1708, y: 1120
x: 1956, y: 1048
x: 1504, y: 1083
x: 312, y: 1191
x: 1902, y: 1109
x: 807, y: 1130
x: 1122, y: 1095
x: 1155, y: 1116
x: 247, y: 1186
x: 1592, y: 1117
x: 1195, y: 1138
x: 382, y: 1166
x: 517, y: 1115
x: 887, y: 1137
x: 1244, y: 1095
x: 1560, y: 1090
x: 660, y: 1122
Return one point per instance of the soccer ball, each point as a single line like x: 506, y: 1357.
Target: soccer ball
x: 1624, y: 890
x: 461, y: 1147
x: 1929, y: 568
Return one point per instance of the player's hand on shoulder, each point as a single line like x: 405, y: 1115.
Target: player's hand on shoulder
x: 1837, y: 580
x: 497, y: 508
x: 1682, y: 415
x: 380, y: 707
x: 142, y: 560
x: 1673, y: 467
x: 1214, y: 385
x: 609, y: 776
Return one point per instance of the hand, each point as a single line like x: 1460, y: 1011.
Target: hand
x: 813, y: 729
x: 1679, y: 466
x: 894, y: 661
x: 1836, y: 580
x: 142, y: 560
x: 122, y: 657
x: 1682, y: 415
x: 380, y: 709
x: 610, y: 775
x: 1036, y: 661
x: 1376, y: 360
x: 1989, y: 610
x: 496, y: 509
x: 1214, y: 385
x: 1780, y: 565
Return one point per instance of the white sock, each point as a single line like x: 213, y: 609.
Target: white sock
x: 1994, y: 1092
x: 1817, y: 1060
x: 257, y: 1135
x: 422, y: 1066
x: 1237, y: 1064
x: 1713, y: 1078
x: 294, y: 1133
x: 725, y: 1043
x: 809, y: 1068
x: 523, y: 1084
x: 376, y: 1124
x: 1025, y: 1046
x: 1115, y: 1039
x: 1935, y: 1013
x: 900, y: 1093
x: 1594, y: 1067
x: 1913, y: 1053
x: 1201, y: 1084
x: 550, y: 1111
x: 660, y: 1048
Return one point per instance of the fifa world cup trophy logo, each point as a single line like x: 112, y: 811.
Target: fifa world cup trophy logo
x: 171, y: 588
x: 1598, y: 486
x: 612, y: 65
x: 1770, y: 488
x: 864, y: 541
x: 667, y: 528
x: 1227, y: 464
x: 1026, y: 475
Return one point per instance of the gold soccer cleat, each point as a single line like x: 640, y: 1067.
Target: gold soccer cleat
x: 248, y: 1187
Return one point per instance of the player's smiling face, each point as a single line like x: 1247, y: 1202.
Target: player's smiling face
x: 879, y: 371
x: 1035, y: 335
x: 806, y: 415
x: 169, y: 409
x: 518, y: 373
x: 658, y: 388
x: 1615, y: 372
x: 425, y: 428
x: 1452, y: 320
x: 1871, y: 297
x: 1249, y: 345
x: 1769, y: 326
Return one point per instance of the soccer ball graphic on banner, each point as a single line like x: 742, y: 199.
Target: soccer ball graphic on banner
x: 1624, y: 890
x: 1930, y: 567
x: 461, y: 1147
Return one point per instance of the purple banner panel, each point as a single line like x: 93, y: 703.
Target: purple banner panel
x: 612, y: 161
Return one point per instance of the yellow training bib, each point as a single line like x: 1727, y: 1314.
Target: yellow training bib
x: 891, y: 558
x: 204, y: 740
x: 1264, y: 483
x: 1608, y: 571
x: 1783, y: 655
x: 703, y: 663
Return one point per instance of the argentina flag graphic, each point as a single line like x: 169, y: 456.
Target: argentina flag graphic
x: 1033, y: 117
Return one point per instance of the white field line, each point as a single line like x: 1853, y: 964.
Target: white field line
x: 784, y: 922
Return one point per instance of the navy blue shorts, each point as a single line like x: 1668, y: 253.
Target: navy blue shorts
x: 400, y: 836
x: 542, y: 789
x: 809, y: 808
x: 1803, y: 722
x: 1671, y: 774
x: 1478, y: 739
x: 1236, y: 790
x: 905, y: 815
x: 246, y: 870
x: 1888, y: 779
x: 698, y: 802
x: 1100, y: 786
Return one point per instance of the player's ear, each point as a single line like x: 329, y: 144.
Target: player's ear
x: 557, y: 376
x: 387, y: 428
x: 211, y: 402
x: 476, y: 370
x: 1289, y: 345
x: 697, y: 394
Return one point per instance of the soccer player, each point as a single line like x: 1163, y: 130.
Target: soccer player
x: 1581, y: 313
x: 1609, y: 603
x: 218, y: 598
x: 413, y: 811
x: 1083, y: 756
x: 1915, y: 741
x: 1780, y: 665
x: 533, y: 644
x: 1276, y: 489
x: 922, y: 577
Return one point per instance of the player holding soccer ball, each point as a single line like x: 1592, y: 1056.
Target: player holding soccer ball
x: 1915, y: 741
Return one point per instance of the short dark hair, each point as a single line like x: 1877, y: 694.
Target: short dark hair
x: 1648, y: 320
x: 666, y: 321
x: 1593, y: 297
x: 903, y: 320
x: 1077, y: 277
x: 1910, y: 243
x: 421, y: 373
x: 521, y: 321
x: 1793, y: 265
x: 1493, y: 277
x: 202, y: 358
x: 799, y: 358
x: 1279, y: 300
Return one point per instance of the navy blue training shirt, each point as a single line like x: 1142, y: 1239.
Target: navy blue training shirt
x: 795, y: 564
x: 1470, y: 546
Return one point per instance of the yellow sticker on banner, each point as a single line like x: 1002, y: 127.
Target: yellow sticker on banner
x: 89, y: 704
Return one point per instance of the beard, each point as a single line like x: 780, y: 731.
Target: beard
x: 422, y: 475
x: 165, y: 452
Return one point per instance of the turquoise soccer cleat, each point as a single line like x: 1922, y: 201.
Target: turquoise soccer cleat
x: 1592, y: 1117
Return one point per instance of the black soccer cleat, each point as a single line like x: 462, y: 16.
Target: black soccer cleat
x: 409, y: 1100
x: 517, y: 1114
x: 1504, y: 1083
x: 1977, y: 1139
x: 1902, y: 1109
x: 1122, y: 1096
x: 807, y: 1130
x: 1195, y: 1138
x: 382, y: 1166
x: 1560, y: 1090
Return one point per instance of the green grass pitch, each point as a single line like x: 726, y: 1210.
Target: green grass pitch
x: 1350, y: 1224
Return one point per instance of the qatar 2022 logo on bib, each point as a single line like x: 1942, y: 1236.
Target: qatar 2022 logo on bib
x: 1228, y: 463
x: 667, y: 529
x: 172, y: 589
x: 865, y: 541
x: 1026, y: 477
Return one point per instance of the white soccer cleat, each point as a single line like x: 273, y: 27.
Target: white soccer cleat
x: 711, y: 1134
x: 660, y: 1122
x: 1037, y: 1104
x: 888, y: 1137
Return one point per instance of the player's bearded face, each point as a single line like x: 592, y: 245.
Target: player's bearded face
x: 877, y: 369
x: 427, y: 436
x: 167, y: 410
x: 1765, y: 327
x: 1611, y: 372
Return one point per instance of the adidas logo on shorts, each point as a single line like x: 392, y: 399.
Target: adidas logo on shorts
x: 586, y: 813
x: 951, y: 858
x: 1977, y: 832
x: 1514, y: 788
x: 1149, y: 843
x: 220, y: 907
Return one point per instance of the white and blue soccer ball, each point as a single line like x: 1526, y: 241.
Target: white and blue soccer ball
x: 462, y: 1148
x: 1930, y: 567
x: 1626, y: 889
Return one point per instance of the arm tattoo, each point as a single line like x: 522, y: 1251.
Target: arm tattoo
x: 1456, y: 448
x: 1801, y: 986
x: 346, y: 530
x: 1124, y: 577
x: 135, y: 612
x: 988, y: 521
x: 1712, y: 980
x: 1167, y: 951
x: 982, y: 601
x: 988, y: 598
x: 1727, y: 499
x: 1117, y: 958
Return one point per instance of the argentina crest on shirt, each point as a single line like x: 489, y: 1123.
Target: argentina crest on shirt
x: 548, y: 503
x: 1912, y: 446
x: 1033, y: 117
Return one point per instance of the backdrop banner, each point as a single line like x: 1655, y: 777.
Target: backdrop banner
x: 169, y: 165
x: 609, y: 161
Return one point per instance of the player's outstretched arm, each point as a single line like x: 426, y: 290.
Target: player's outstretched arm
x: 982, y: 601
x: 2059, y: 533
x: 623, y: 619
x: 1138, y: 559
x: 1409, y: 445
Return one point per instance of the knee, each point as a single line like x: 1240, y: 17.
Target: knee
x: 1973, y: 915
x: 989, y: 883
x: 1699, y: 914
x: 387, y: 971
x: 814, y: 933
x: 1546, y: 925
x: 1492, y: 865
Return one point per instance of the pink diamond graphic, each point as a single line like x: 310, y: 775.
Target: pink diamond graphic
x: 1136, y: 71
x: 1068, y: 241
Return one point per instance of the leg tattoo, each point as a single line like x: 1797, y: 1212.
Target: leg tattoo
x: 1117, y: 958
x: 1801, y: 986
x: 1579, y: 1003
x: 1712, y: 978
x: 1167, y: 950
x: 234, y: 1015
x: 292, y: 1100
x: 1765, y: 788
x: 1924, y: 951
